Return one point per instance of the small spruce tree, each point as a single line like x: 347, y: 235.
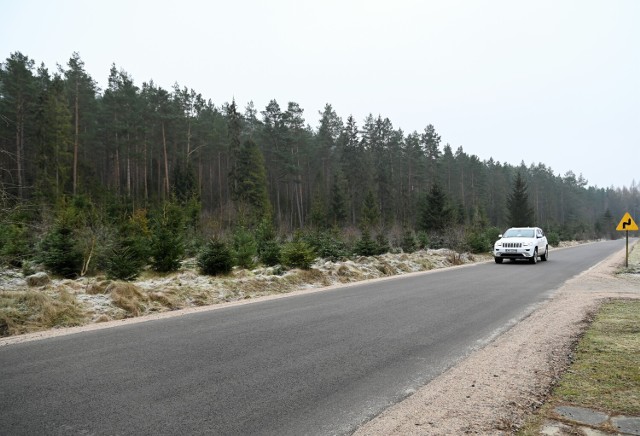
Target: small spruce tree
x: 366, y: 246
x: 167, y: 242
x: 267, y: 247
x: 297, y: 254
x: 244, y: 248
x: 409, y: 243
x: 215, y: 258
x: 59, y: 252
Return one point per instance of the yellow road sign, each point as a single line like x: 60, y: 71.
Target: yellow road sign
x: 627, y: 223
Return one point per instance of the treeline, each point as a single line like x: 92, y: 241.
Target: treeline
x: 129, y: 148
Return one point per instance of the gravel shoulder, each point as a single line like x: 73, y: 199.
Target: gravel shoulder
x: 496, y: 387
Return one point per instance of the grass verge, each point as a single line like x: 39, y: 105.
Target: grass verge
x: 605, y: 373
x: 25, y: 311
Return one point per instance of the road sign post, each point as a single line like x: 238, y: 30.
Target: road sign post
x: 627, y: 223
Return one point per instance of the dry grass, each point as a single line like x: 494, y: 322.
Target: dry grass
x: 346, y: 274
x: 165, y: 300
x: 30, y: 310
x: 386, y: 269
x: 127, y: 297
x: 98, y: 288
x: 91, y: 300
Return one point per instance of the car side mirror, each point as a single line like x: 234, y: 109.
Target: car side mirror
x: 500, y: 236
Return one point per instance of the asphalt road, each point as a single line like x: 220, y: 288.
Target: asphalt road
x: 318, y: 364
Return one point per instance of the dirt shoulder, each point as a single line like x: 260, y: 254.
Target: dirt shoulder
x: 495, y: 388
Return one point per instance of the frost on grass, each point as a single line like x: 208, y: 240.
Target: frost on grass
x: 94, y: 299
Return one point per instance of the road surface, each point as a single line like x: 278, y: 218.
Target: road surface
x: 319, y: 363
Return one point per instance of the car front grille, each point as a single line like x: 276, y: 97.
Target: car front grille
x: 512, y: 245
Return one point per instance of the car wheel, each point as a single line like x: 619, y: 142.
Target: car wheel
x: 498, y: 259
x: 534, y: 258
x: 545, y: 255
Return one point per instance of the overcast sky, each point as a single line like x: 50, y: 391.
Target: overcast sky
x: 553, y: 82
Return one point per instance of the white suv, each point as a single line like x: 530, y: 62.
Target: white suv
x: 521, y: 243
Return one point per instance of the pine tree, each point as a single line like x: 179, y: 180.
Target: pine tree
x: 318, y: 215
x: 251, y: 185
x: 81, y: 92
x: 54, y: 138
x: 370, y: 216
x: 430, y: 142
x: 519, y: 210
x: 184, y: 186
x: 234, y: 132
x: 436, y: 215
x: 338, y: 206
x: 17, y: 97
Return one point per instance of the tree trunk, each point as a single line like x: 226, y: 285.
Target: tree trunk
x: 75, y: 142
x: 220, y: 180
x: 128, y: 164
x: 166, y: 163
x: 117, y: 170
x: 144, y: 171
x: 19, y: 148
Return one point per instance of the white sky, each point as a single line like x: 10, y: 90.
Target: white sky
x: 550, y: 81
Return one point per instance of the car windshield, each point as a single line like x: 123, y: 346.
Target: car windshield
x: 519, y: 233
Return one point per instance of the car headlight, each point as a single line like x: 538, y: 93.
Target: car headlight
x: 527, y: 244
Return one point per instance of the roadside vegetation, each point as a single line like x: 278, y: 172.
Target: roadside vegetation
x: 94, y: 262
x: 40, y: 302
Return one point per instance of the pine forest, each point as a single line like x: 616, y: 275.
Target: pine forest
x: 136, y: 175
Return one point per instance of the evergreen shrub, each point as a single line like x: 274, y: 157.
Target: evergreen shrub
x: 437, y: 240
x: 382, y: 243
x: 167, y: 238
x: 166, y: 248
x: 267, y: 246
x: 553, y: 239
x: 327, y: 245
x: 422, y: 240
x: 408, y: 243
x: 129, y: 255
x: 14, y: 244
x: 59, y: 252
x: 478, y: 242
x: 297, y: 254
x: 366, y: 246
x: 492, y: 235
x: 244, y: 248
x: 123, y: 264
x: 215, y: 258
x: 269, y: 253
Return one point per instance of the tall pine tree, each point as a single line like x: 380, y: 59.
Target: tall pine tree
x: 251, y: 188
x: 436, y: 213
x: 519, y: 210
